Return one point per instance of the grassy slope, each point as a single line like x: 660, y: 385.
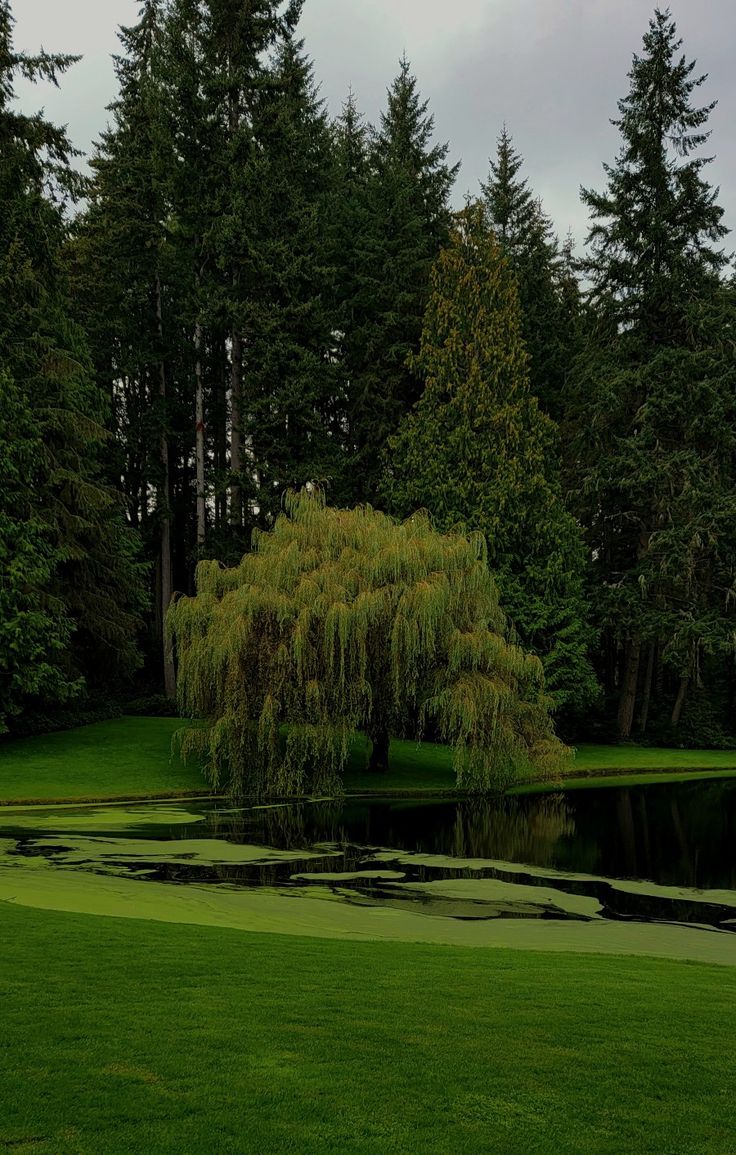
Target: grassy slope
x: 429, y: 767
x: 130, y: 757
x: 123, y: 757
x: 128, y: 1036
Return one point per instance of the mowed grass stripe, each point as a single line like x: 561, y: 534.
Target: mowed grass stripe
x: 122, y: 1036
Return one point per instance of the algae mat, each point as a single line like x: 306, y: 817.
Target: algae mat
x: 322, y: 913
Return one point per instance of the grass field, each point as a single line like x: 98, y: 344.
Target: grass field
x: 131, y: 757
x: 125, y: 1036
x: 122, y: 758
x: 121, y: 1036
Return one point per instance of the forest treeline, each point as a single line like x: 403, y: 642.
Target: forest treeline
x: 246, y: 295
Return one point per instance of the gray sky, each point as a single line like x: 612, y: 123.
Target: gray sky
x: 551, y: 69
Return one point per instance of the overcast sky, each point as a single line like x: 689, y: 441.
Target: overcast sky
x: 552, y: 70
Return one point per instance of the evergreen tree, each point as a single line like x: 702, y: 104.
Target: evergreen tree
x: 126, y: 298
x: 478, y: 451
x: 91, y: 574
x: 543, y: 273
x: 238, y: 43
x: 355, y: 245
x: 34, y: 629
x: 292, y: 413
x: 652, y: 403
x: 383, y: 277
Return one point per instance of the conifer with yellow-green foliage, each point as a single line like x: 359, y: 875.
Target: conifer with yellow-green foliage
x: 477, y: 451
x: 346, y: 620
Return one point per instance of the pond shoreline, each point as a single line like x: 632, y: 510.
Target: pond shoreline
x: 585, y: 779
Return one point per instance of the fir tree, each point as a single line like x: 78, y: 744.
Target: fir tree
x: 651, y: 405
x: 238, y: 43
x: 34, y: 628
x: 543, y: 273
x: 478, y: 451
x: 121, y: 264
x: 355, y: 245
x: 405, y: 211
x: 291, y: 412
x: 93, y: 577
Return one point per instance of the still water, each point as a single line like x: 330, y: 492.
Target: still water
x: 662, y: 853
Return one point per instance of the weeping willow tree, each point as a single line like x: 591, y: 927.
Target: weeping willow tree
x: 345, y: 620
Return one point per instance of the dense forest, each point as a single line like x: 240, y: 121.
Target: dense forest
x: 242, y: 296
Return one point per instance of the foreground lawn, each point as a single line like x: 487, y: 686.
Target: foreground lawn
x: 138, y: 1037
x: 131, y: 758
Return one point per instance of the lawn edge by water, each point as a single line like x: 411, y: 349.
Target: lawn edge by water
x: 133, y: 754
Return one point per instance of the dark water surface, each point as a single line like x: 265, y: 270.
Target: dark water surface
x: 592, y: 843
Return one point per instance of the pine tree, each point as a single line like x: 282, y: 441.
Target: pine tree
x: 238, y: 42
x: 542, y: 270
x: 355, y: 244
x: 291, y: 410
x: 405, y: 212
x: 34, y: 628
x: 92, y: 577
x: 652, y: 399
x: 121, y: 264
x: 478, y: 451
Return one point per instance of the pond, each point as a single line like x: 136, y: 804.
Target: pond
x: 657, y: 855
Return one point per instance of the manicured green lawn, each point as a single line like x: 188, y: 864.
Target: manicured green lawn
x: 141, y: 1038
x: 428, y: 767
x: 125, y: 757
x: 131, y: 757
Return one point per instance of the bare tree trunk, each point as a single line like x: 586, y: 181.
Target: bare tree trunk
x: 165, y: 568
x: 680, y: 699
x: 647, y: 688
x: 236, y: 429
x: 219, y: 416
x: 628, y: 688
x: 199, y: 436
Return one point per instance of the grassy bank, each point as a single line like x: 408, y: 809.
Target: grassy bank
x: 232, y: 1042
x: 122, y: 758
x: 131, y: 758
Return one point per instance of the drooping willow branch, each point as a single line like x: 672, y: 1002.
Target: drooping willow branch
x: 344, y: 620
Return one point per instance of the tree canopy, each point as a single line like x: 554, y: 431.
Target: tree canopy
x: 477, y: 450
x: 72, y: 589
x: 650, y: 405
x: 341, y: 620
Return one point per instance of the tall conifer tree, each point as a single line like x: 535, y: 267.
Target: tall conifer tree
x: 653, y: 416
x: 549, y: 309
x: 92, y: 580
x: 383, y: 278
x: 478, y: 451
x: 126, y: 298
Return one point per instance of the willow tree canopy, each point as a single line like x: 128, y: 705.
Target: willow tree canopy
x: 345, y: 620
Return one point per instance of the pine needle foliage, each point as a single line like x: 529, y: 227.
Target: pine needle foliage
x: 342, y: 620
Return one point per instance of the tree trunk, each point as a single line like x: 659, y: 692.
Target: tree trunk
x: 219, y: 416
x: 378, y: 763
x: 199, y: 449
x: 236, y: 431
x: 628, y: 688
x: 680, y: 699
x: 165, y: 568
x: 647, y: 689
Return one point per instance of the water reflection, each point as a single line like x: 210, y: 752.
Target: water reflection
x: 678, y: 834
x: 461, y: 859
